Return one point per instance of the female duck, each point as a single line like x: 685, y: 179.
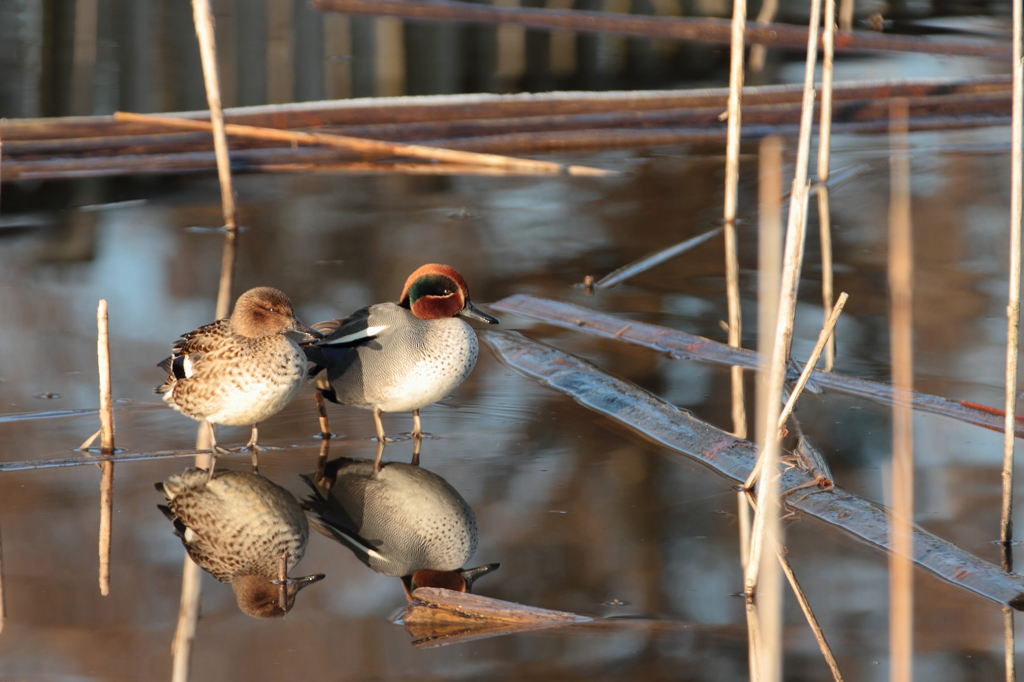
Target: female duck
x: 240, y: 370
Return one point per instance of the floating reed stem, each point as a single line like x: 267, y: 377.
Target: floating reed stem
x: 824, y: 151
x: 106, y: 445
x: 1012, y: 333
x: 901, y: 577
x: 732, y: 178
x: 375, y: 147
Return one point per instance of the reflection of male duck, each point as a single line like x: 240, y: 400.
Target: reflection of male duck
x: 243, y: 529
x: 401, y: 520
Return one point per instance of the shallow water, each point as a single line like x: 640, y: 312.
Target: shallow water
x: 582, y: 515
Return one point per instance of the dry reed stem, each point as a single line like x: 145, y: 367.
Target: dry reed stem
x: 824, y: 152
x: 766, y: 518
x: 203, y: 19
x: 732, y: 178
x: 376, y: 147
x: 805, y: 375
x: 83, y: 63
x: 758, y: 51
x: 188, y: 614
x: 845, y: 15
x: 1012, y: 333
x: 805, y: 606
x: 762, y: 576
x: 106, y: 445
x: 3, y: 595
x: 901, y: 578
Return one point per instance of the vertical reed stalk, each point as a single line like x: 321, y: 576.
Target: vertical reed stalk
x: 732, y: 174
x: 106, y: 445
x: 83, y: 61
x: 901, y: 264
x: 188, y: 614
x: 846, y: 15
x: 824, y: 150
x: 767, y: 399
x: 208, y: 52
x: 3, y: 595
x: 758, y: 52
x: 1012, y: 331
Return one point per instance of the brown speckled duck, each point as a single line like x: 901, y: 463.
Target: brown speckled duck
x: 240, y: 370
x: 243, y: 529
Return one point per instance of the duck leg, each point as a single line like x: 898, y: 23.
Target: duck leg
x: 417, y: 442
x: 380, y: 452
x: 253, y: 447
x: 325, y: 427
x: 214, y: 449
x: 417, y: 429
x: 380, y: 426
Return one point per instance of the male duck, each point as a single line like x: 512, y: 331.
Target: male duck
x: 396, y: 357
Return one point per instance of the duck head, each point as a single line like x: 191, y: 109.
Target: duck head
x: 261, y: 597
x: 265, y: 311
x: 437, y: 291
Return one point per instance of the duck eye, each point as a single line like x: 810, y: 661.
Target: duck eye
x: 272, y: 310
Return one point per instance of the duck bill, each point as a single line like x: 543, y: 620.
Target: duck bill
x: 306, y: 580
x: 305, y: 334
x: 470, y: 575
x: 473, y: 313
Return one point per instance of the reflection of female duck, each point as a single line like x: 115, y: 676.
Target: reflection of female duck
x: 239, y: 527
x: 401, y: 521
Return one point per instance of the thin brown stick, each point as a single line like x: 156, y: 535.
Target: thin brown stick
x: 824, y: 152
x: 766, y: 520
x: 732, y: 179
x: 1012, y: 333
x: 3, y: 594
x: 759, y: 52
x: 106, y: 446
x: 188, y: 615
x: 805, y: 606
x: 845, y: 15
x: 376, y: 147
x: 676, y: 28
x: 901, y: 578
x: 203, y: 18
x: 321, y: 408
x: 83, y: 62
x: 805, y: 375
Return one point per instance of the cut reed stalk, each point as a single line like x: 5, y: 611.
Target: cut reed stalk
x: 732, y: 179
x: 846, y: 15
x: 377, y: 147
x: 901, y: 578
x: 1012, y: 332
x: 106, y: 445
x: 824, y: 151
x: 676, y: 28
